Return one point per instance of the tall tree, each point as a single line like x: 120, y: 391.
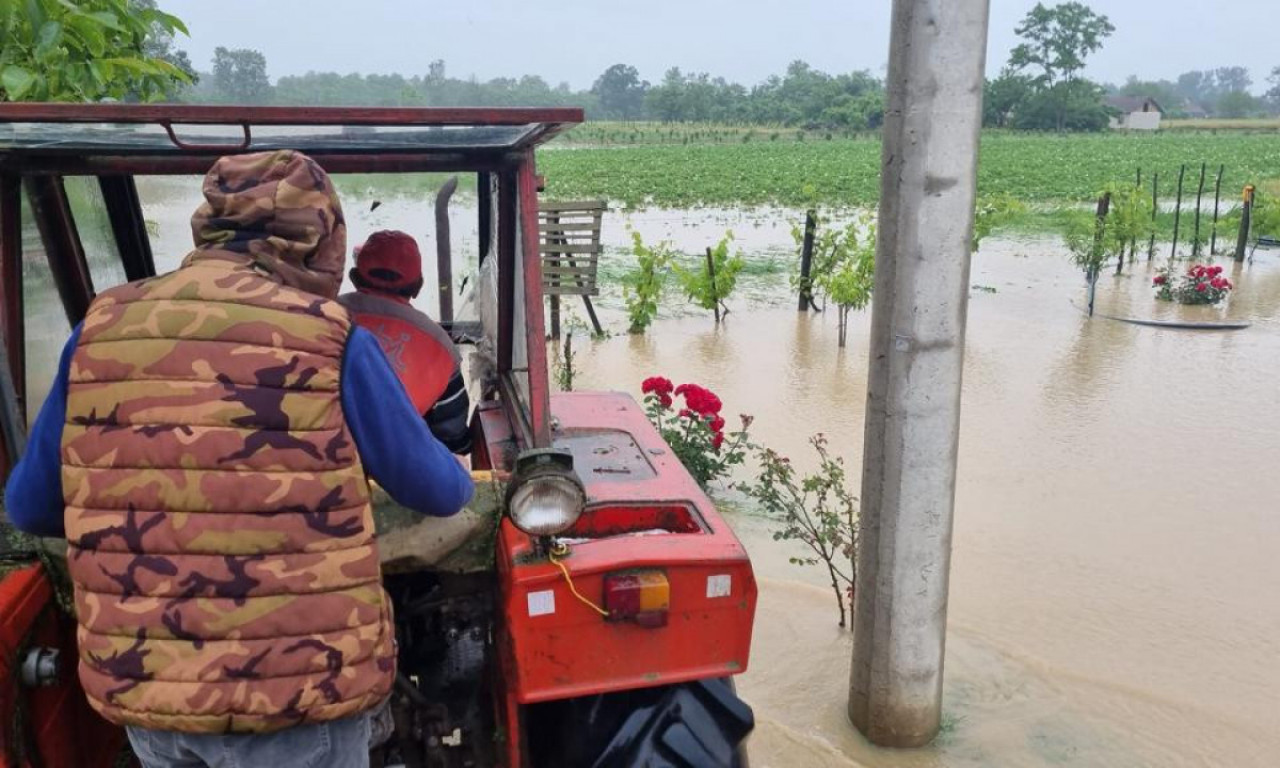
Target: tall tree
x: 1233, y: 79
x: 160, y: 44
x: 1003, y: 96
x: 1199, y: 87
x: 240, y: 76
x: 621, y: 92
x: 1273, y: 95
x: 1236, y: 104
x: 1057, y: 40
x: 56, y: 50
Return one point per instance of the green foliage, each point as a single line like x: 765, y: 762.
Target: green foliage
x: 1265, y: 218
x: 992, y: 213
x: 844, y: 264
x: 816, y: 510
x: 700, y: 286
x: 1128, y: 220
x: 240, y: 76
x: 1235, y: 104
x: 1086, y: 243
x: 642, y: 287
x: 1002, y: 97
x: 620, y: 92
x: 56, y: 50
x: 1033, y: 168
x: 1071, y: 106
x: 1057, y: 40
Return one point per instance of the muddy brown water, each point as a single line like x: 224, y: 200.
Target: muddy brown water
x: 1115, y: 588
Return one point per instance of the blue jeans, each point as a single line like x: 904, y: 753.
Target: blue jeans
x: 336, y: 744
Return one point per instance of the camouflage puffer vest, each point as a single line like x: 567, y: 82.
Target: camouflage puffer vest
x: 220, y: 536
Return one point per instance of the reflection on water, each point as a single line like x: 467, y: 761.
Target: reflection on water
x: 1114, y: 575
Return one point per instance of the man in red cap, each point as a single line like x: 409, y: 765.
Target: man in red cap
x: 387, y: 276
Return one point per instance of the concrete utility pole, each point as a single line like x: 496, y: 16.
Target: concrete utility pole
x: 929, y: 164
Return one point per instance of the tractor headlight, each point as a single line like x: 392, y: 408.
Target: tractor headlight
x: 545, y: 497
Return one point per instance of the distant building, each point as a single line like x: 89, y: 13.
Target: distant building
x: 1136, y: 113
x: 1194, y: 111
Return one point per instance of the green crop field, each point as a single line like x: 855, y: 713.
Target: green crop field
x: 800, y: 169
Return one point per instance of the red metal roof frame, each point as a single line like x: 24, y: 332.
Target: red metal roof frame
x: 203, y: 114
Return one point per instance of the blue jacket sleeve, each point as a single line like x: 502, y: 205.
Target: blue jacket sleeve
x: 396, y: 448
x: 33, y: 493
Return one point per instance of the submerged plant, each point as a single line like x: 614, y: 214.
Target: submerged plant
x: 992, y: 213
x: 711, y: 283
x: 816, y: 510
x: 642, y: 287
x: 844, y: 264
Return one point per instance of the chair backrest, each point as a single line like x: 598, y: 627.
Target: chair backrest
x: 569, y: 241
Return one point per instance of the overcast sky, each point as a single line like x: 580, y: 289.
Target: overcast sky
x: 742, y: 40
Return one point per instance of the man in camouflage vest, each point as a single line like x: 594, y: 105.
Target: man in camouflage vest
x: 204, y: 450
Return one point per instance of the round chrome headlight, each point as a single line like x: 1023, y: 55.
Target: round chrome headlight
x: 546, y: 497
x: 547, y: 505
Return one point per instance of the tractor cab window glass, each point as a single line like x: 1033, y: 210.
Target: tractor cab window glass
x: 45, y: 321
x: 519, y: 326
x: 93, y: 224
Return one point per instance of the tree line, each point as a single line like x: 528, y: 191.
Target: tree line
x: 1041, y: 88
x: 801, y: 96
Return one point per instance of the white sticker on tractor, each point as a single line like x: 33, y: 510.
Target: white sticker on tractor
x: 719, y: 585
x: 542, y: 603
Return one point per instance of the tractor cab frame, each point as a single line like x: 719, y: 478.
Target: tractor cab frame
x: 609, y: 643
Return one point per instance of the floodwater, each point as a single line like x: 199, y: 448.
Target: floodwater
x: 1115, y: 593
x: 1115, y: 587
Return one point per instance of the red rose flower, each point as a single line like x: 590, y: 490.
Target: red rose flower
x: 685, y: 413
x: 665, y: 399
x: 1201, y: 287
x: 717, y: 424
x: 1215, y: 270
x: 717, y: 440
x: 1196, y: 271
x: 1216, y: 282
x: 658, y: 385
x: 1159, y: 280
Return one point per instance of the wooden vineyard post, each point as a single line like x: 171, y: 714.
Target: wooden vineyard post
x: 1155, y: 207
x: 1195, y: 245
x: 1246, y: 215
x: 1217, y: 195
x: 806, y: 261
x: 554, y: 218
x: 1104, y: 207
x: 711, y: 273
x: 1133, y: 241
x: 1177, y: 215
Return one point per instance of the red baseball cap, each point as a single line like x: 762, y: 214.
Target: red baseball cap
x: 390, y: 261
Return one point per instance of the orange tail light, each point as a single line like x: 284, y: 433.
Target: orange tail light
x: 643, y: 597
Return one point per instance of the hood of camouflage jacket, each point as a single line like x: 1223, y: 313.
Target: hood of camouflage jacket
x: 278, y: 211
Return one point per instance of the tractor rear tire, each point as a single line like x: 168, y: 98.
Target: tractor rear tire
x: 702, y: 724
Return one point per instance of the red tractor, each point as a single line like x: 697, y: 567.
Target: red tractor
x: 597, y: 621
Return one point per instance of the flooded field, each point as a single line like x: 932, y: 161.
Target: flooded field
x: 1115, y: 571
x: 1115, y: 574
